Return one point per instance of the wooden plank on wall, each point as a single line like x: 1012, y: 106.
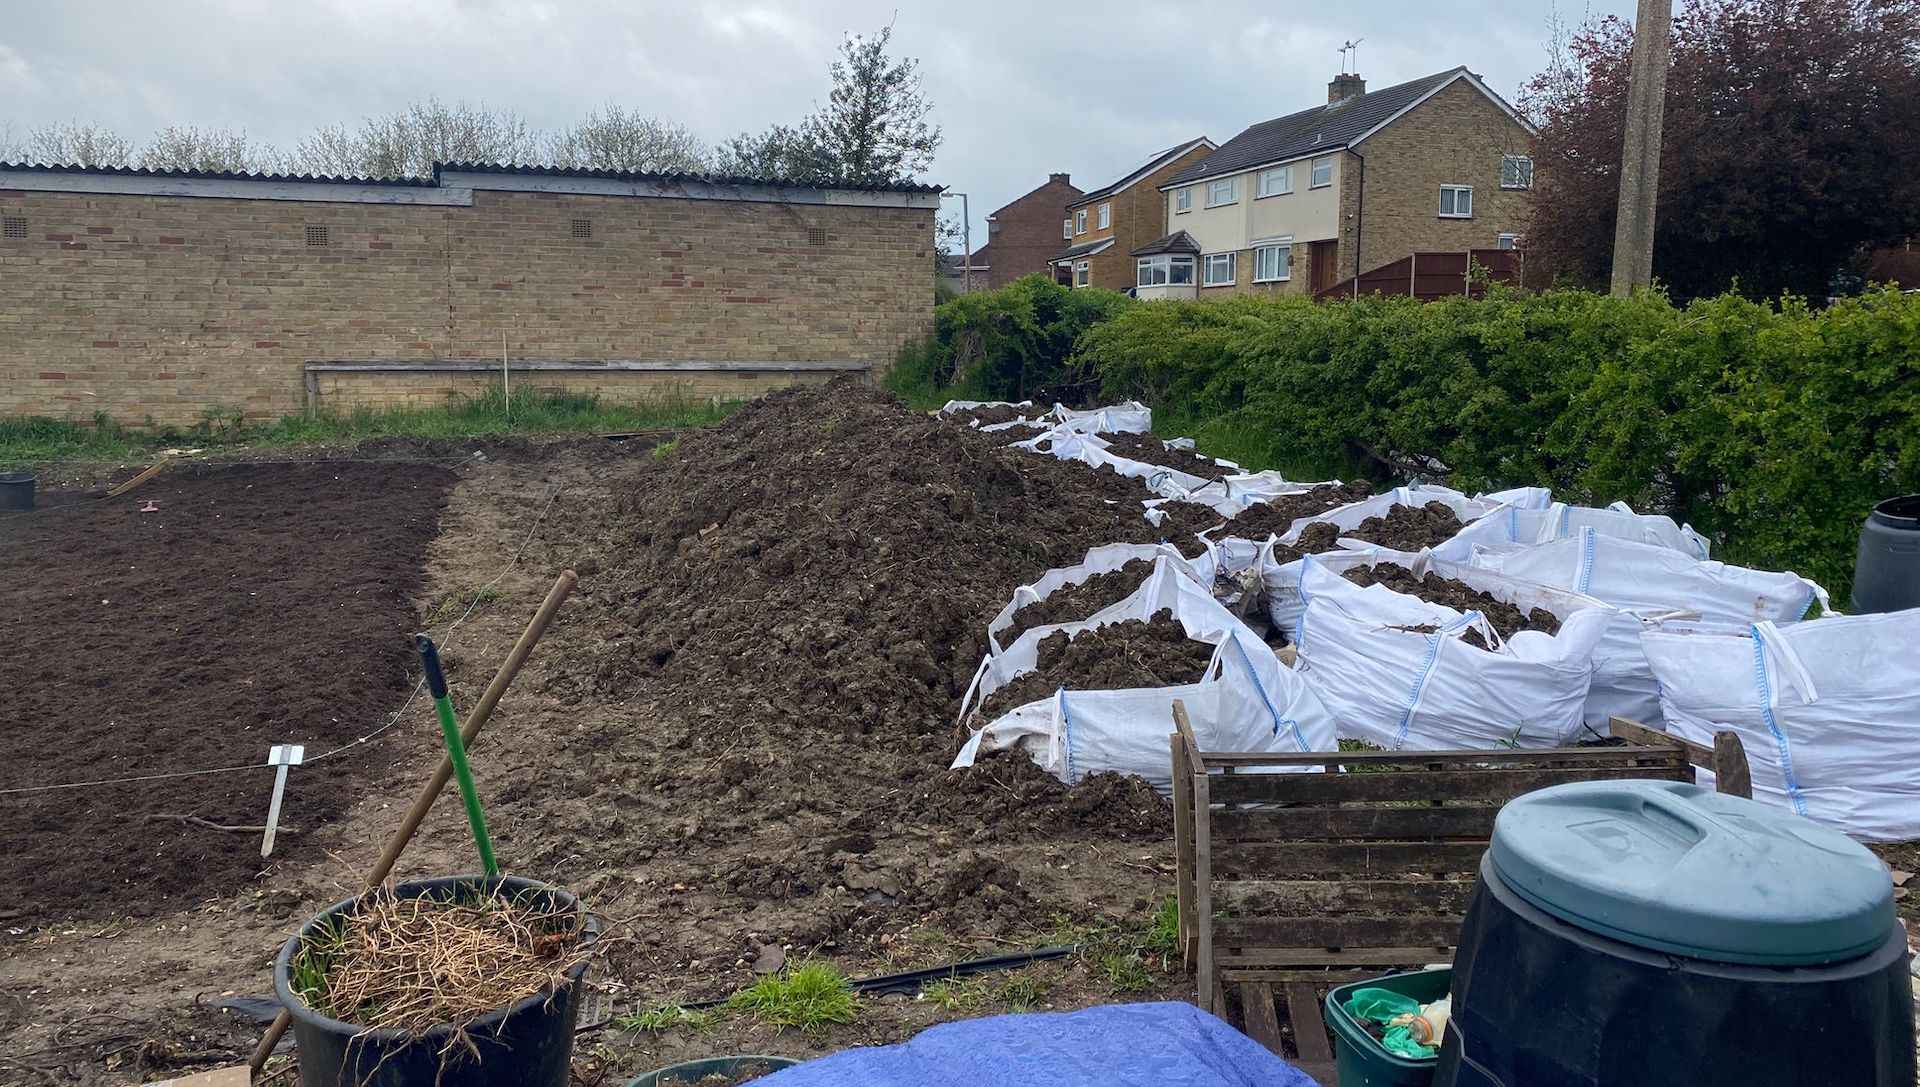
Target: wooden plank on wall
x: 1335, y: 932
x: 1482, y: 785
x: 1344, y: 860
x: 1337, y: 897
x: 1253, y: 824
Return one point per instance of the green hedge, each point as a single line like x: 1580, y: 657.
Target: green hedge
x: 1009, y: 344
x: 1771, y: 428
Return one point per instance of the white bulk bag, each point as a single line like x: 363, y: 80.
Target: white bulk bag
x: 1649, y: 581
x: 1100, y: 560
x: 1280, y: 581
x: 1526, y: 498
x: 1230, y: 494
x: 1829, y: 711
x: 1131, y: 417
x: 1517, y: 526
x: 1246, y: 702
x: 1406, y: 689
x: 1089, y: 449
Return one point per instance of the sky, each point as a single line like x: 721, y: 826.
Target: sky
x: 1020, y: 88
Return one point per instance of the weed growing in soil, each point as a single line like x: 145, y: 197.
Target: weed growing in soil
x: 1023, y: 993
x: 811, y: 997
x: 668, y: 1015
x: 665, y: 449
x: 458, y: 602
x: 1163, y: 936
x: 955, y: 994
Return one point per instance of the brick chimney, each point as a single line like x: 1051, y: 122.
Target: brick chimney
x: 1064, y: 179
x: 1344, y: 86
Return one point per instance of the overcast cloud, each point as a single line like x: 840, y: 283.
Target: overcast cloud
x: 1020, y: 88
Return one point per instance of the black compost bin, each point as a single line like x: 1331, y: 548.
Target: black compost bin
x: 529, y: 1043
x: 1886, y: 571
x: 16, y: 490
x: 1643, y: 932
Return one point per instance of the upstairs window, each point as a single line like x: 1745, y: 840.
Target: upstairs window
x: 1183, y: 200
x: 1322, y: 172
x: 1106, y: 216
x: 1220, y: 192
x: 1516, y: 172
x: 1080, y: 221
x: 1066, y: 229
x: 1456, y: 201
x: 1275, y: 182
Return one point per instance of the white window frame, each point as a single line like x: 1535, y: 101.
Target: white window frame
x: 1066, y: 229
x: 1509, y: 241
x: 1283, y: 247
x: 1233, y: 192
x: 1183, y: 200
x: 1081, y: 273
x: 1106, y: 216
x: 1314, y: 169
x: 1080, y: 221
x: 1260, y: 188
x: 1456, y: 191
x: 1522, y: 171
x: 1230, y: 259
x: 1165, y: 264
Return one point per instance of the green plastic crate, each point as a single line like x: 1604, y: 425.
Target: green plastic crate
x: 1364, y: 1062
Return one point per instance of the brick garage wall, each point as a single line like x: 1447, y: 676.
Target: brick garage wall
x: 1029, y: 232
x: 413, y: 390
x: 162, y: 307
x: 1457, y: 137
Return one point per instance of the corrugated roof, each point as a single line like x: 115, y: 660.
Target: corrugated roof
x: 216, y: 175
x: 1158, y: 161
x: 460, y: 167
x: 1177, y: 242
x: 1328, y: 127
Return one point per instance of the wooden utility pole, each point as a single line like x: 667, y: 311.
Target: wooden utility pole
x: 1640, y: 153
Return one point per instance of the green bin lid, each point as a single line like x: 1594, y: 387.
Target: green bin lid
x: 1678, y: 868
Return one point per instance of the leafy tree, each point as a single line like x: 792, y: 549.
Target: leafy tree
x: 614, y: 138
x: 409, y: 142
x: 212, y: 149
x: 872, y: 131
x: 75, y: 144
x: 1789, y: 146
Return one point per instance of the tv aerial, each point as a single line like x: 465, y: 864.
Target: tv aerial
x: 1350, y: 57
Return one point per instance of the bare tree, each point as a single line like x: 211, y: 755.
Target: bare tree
x: 74, y: 144
x: 409, y: 142
x: 12, y: 148
x: 618, y: 139
x: 214, y: 150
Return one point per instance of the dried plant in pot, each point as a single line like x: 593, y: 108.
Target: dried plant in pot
x: 462, y: 981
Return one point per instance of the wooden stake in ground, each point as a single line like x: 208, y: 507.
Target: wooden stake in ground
x: 482, y: 710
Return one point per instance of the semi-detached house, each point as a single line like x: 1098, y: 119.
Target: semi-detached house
x: 1301, y: 202
x: 1103, y: 227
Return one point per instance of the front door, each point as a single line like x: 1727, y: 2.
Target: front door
x: 1323, y: 264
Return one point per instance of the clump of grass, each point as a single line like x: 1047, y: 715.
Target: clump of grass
x: 457, y: 603
x: 1125, y: 970
x: 666, y: 449
x: 1022, y: 993
x: 415, y: 963
x: 668, y: 1015
x: 1163, y: 935
x: 955, y: 994
x: 811, y: 996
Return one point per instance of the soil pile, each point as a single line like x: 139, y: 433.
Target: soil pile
x: 1263, y: 519
x: 774, y: 630
x: 257, y: 604
x: 1154, y: 653
x: 1505, y: 618
x: 1072, y: 603
x: 989, y: 415
x: 1148, y: 449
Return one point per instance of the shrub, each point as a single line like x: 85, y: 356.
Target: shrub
x: 1008, y: 344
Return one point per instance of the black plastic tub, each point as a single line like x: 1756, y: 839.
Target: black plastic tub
x: 529, y: 1043
x: 16, y: 490
x: 1886, y: 571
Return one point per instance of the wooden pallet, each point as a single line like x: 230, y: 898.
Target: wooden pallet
x: 1291, y: 883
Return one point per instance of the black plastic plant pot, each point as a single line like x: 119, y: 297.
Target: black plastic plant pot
x: 529, y: 1043
x: 16, y: 490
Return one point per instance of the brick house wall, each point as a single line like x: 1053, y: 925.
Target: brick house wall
x: 1139, y: 216
x: 1026, y: 232
x: 1457, y: 137
x: 162, y: 307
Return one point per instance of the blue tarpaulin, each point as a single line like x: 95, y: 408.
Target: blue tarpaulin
x: 1118, y: 1045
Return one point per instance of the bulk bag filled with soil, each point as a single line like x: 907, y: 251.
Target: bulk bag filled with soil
x: 988, y: 416
x: 1090, y: 449
x: 1499, y: 662
x: 1107, y: 575
x: 1519, y: 526
x: 1170, y: 639
x: 1829, y: 710
x: 1129, y: 417
x: 1237, y: 491
x: 1399, y: 520
x: 1649, y: 582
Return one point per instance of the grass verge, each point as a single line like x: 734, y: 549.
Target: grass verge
x: 38, y: 439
